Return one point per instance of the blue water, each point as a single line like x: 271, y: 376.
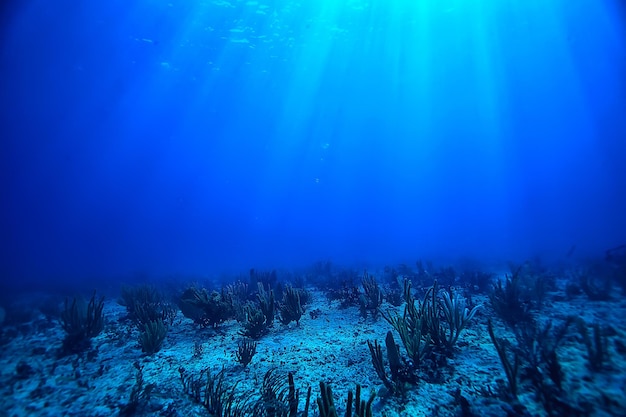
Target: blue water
x: 198, y: 137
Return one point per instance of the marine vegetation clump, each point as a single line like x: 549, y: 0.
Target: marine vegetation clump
x: 511, y: 367
x: 197, y: 350
x: 429, y: 331
x: 254, y: 322
x: 305, y: 296
x: 457, y: 316
x: 139, y: 394
x: 596, y: 344
x: 257, y: 317
x: 220, y: 398
x: 342, y: 286
x: 206, y: 309
x: 239, y: 291
x: 535, y: 361
x: 411, y: 328
x: 595, y: 283
x: 150, y: 312
x: 267, y: 304
x: 393, y: 291
x: 81, y: 323
x: 152, y: 335
x: 538, y: 349
x: 212, y: 392
x: 372, y: 297
x: 348, y: 295
x: 507, y: 299
x: 401, y: 371
x: 291, y: 308
x: 280, y: 399
x: 445, y: 317
x: 537, y: 346
x: 145, y: 304
x: 355, y: 405
x: 438, y: 320
x: 246, y: 349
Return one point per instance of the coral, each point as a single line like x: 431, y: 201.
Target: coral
x: 211, y: 391
x: 139, y: 394
x: 238, y: 291
x: 254, y: 325
x: 441, y: 334
x: 197, y: 350
x: 393, y: 356
x: 430, y: 315
x: 538, y: 346
x: 348, y: 295
x: 536, y: 361
x: 267, y: 303
x: 456, y: 314
x: 291, y: 307
x: 597, y: 346
x: 510, y: 369
x: 399, y: 373
x: 278, y: 399
x: 394, y: 293
x: 428, y: 330
x: 372, y: 298
x: 507, y: 300
x: 305, y: 296
x: 206, y: 310
x: 152, y: 336
x: 81, y: 323
x: 145, y: 304
x: 246, y: 349
x: 410, y: 327
x: 326, y: 403
x: 377, y: 361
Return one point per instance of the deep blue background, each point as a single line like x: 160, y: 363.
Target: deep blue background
x: 202, y: 137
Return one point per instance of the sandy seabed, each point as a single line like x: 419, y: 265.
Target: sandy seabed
x: 332, y: 347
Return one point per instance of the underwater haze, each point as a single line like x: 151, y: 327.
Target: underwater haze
x: 260, y: 208
x: 197, y: 137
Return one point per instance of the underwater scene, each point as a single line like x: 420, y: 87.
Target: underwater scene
x: 301, y: 208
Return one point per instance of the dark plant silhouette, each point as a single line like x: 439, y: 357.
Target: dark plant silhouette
x: 246, y: 349
x: 207, y: 309
x: 81, y: 323
x: 291, y: 307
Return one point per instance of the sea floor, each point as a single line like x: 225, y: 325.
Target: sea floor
x: 332, y: 347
